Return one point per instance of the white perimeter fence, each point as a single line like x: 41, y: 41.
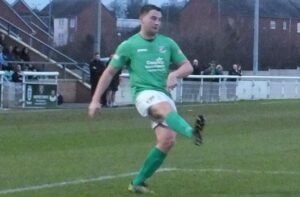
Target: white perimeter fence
x: 222, y: 88
x: 37, y: 90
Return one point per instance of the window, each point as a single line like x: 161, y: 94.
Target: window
x: 61, y: 22
x: 72, y: 23
x: 71, y: 38
x: 284, y: 25
x: 61, y: 37
x: 272, y: 24
x: 298, y: 27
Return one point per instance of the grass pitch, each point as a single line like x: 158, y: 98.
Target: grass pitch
x: 250, y: 149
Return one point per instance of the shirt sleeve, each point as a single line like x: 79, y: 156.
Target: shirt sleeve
x: 177, y: 56
x: 122, y: 56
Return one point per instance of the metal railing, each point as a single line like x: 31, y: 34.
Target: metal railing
x: 223, y: 88
x: 52, y: 54
x: 220, y: 88
x: 65, y: 68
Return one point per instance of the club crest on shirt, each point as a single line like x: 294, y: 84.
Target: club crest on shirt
x: 162, y: 49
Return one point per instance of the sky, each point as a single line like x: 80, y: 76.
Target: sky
x: 42, y: 3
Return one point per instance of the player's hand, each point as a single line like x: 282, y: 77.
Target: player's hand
x: 172, y: 81
x: 94, y: 107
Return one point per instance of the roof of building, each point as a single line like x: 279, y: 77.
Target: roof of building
x: 280, y: 8
x: 28, y: 12
x: 268, y: 8
x: 5, y: 4
x: 63, y: 8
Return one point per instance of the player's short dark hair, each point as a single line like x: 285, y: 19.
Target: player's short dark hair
x: 148, y: 7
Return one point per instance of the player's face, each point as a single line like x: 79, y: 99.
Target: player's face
x: 151, y: 22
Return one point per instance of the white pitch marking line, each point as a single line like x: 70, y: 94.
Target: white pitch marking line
x: 61, y: 184
x: 104, y: 178
x: 75, y: 182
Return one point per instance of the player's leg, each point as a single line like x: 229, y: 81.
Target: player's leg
x: 165, y: 139
x: 165, y: 111
x: 159, y: 106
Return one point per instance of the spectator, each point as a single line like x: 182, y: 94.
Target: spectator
x: 211, y: 70
x: 215, y: 86
x: 219, y: 71
x: 16, y: 53
x: 194, y: 87
x: 96, y: 69
x: 210, y: 88
x: 197, y: 70
x: 60, y: 99
x: 240, y: 69
x: 231, y: 85
x: 2, y: 61
x: 112, y: 88
x: 17, y: 75
x: 196, y: 66
x: 9, y: 56
x: 25, y: 57
x: 2, y: 42
x: 235, y: 71
x: 31, y: 68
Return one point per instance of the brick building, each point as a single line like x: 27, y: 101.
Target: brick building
x: 7, y: 13
x: 74, y: 24
x: 223, y: 30
x: 33, y: 20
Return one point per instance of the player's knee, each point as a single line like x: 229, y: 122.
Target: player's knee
x: 166, y: 144
x: 160, y: 110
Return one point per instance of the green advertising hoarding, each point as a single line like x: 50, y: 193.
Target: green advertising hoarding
x: 41, y: 95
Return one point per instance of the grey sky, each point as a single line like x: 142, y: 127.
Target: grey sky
x: 42, y: 3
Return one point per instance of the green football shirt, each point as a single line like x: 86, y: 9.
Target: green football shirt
x: 148, y: 61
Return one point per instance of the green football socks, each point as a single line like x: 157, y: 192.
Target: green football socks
x: 178, y: 124
x: 154, y: 159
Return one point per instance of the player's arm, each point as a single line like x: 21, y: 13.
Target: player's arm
x: 184, y: 70
x: 102, y: 85
x: 117, y: 62
x: 184, y: 66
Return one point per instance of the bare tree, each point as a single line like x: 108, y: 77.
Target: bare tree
x: 119, y: 7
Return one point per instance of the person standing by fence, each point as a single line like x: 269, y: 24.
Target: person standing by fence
x: 96, y: 69
x: 232, y: 82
